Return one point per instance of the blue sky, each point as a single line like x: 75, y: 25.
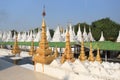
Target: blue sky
x: 24, y: 15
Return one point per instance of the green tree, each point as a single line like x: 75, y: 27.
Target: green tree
x: 109, y: 28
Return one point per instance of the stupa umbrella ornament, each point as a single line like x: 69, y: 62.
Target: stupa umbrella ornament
x: 16, y: 49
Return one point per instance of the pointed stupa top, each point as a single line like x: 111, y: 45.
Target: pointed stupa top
x: 38, y: 36
x: 72, y: 34
x: 1, y: 36
x: 79, y: 34
x: 85, y: 36
x: 118, y: 38
x: 57, y: 35
x: 48, y: 34
x: 102, y: 37
x: 90, y: 37
x: 30, y: 36
x: 9, y: 37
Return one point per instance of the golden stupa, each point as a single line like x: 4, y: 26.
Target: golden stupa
x: 56, y: 52
x: 43, y: 53
x: 32, y: 50
x: 91, y: 56
x: 82, y: 56
x: 67, y: 55
x: 16, y: 49
x: 98, y: 58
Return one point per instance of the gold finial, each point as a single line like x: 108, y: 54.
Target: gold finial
x: 67, y: 55
x: 91, y: 56
x: 16, y: 49
x: 43, y: 14
x: 82, y: 56
x: 98, y: 58
x: 32, y: 51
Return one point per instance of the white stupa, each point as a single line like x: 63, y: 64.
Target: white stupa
x: 19, y: 36
x: 9, y: 37
x: 79, y: 34
x: 4, y: 37
x: 72, y: 34
x: 63, y: 35
x: 102, y: 37
x: 38, y: 36
x: 28, y: 34
x: 118, y: 38
x: 48, y: 34
x: 14, y: 35
x: 24, y: 37
x: 57, y: 35
x: 1, y: 36
x: 30, y: 37
x: 85, y: 36
x: 34, y: 34
x: 90, y: 37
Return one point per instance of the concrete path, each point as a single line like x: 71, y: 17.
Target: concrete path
x: 9, y: 71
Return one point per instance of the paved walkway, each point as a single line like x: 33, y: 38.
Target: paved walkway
x: 9, y: 71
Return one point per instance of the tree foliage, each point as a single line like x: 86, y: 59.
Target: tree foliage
x: 110, y: 29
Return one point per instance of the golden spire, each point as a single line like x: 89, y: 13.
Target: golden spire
x: 67, y: 55
x: 16, y: 49
x: 91, y: 56
x: 43, y: 53
x: 98, y: 58
x: 32, y: 51
x: 82, y: 56
x: 56, y: 52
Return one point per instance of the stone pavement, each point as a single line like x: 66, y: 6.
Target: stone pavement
x: 9, y: 71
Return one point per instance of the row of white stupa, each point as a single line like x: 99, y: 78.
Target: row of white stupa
x: 59, y: 36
